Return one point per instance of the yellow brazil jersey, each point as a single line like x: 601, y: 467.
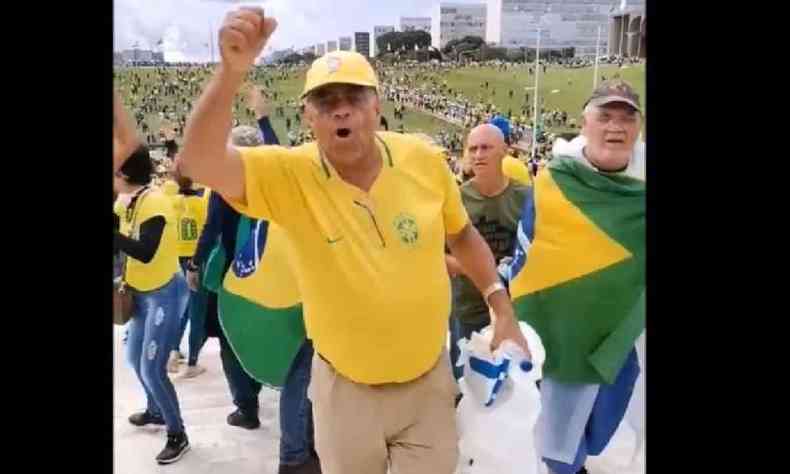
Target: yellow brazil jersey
x: 370, y: 266
x: 191, y: 209
x: 156, y: 273
x: 194, y: 209
x: 515, y: 169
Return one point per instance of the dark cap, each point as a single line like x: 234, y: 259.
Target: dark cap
x: 615, y: 90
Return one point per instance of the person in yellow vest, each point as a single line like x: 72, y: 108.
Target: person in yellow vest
x: 191, y: 206
x: 516, y: 170
x: 148, y: 237
x: 512, y: 167
x: 368, y: 214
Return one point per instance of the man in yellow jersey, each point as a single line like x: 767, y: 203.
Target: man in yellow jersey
x: 368, y: 214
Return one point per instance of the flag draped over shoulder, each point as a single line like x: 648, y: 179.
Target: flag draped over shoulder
x: 259, y: 303
x: 581, y: 285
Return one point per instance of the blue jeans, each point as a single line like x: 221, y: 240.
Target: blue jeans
x: 607, y: 413
x: 460, y: 330
x: 152, y: 330
x: 296, y: 410
x: 187, y: 295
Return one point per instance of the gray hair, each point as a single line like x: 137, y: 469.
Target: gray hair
x: 245, y: 135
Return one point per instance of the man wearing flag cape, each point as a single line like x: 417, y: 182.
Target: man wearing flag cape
x: 579, y: 277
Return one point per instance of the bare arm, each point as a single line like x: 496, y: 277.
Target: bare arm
x: 124, y: 134
x: 454, y: 267
x: 477, y: 261
x: 257, y: 102
x: 205, y: 155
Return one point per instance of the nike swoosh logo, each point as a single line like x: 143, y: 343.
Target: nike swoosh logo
x: 333, y: 241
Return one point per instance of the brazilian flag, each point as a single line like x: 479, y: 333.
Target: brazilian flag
x: 581, y: 279
x: 259, y: 303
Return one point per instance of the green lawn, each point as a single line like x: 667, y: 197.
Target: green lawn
x: 573, y: 85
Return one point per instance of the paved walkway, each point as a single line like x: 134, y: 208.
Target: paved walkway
x: 218, y: 448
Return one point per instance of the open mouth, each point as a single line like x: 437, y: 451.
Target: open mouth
x: 615, y: 141
x: 343, y: 132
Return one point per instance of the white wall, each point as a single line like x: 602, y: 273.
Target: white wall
x: 494, y: 22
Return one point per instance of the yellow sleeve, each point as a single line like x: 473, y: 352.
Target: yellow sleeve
x: 268, y: 186
x: 453, y: 211
x: 516, y: 170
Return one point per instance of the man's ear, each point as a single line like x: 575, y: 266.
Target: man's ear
x: 377, y: 105
x: 308, y: 114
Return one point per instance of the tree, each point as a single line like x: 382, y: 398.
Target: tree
x: 515, y: 55
x: 490, y: 53
x: 292, y: 58
x: 402, y: 41
x: 463, y: 44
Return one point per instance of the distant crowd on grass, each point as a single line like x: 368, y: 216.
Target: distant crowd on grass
x: 161, y: 98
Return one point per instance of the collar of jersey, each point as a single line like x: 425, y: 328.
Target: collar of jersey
x: 329, y: 170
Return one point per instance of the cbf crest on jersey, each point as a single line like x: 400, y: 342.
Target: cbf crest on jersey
x: 246, y: 261
x: 260, y: 308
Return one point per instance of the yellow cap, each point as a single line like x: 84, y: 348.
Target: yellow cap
x: 340, y: 67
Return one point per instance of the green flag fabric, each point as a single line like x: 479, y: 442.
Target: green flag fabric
x: 260, y: 308
x: 581, y: 283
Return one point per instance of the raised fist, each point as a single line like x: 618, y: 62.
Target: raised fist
x: 242, y: 37
x: 257, y: 102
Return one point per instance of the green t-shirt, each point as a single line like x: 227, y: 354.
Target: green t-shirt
x: 496, y: 218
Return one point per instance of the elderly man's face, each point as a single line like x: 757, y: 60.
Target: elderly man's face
x: 485, y: 149
x: 343, y: 118
x: 611, y: 132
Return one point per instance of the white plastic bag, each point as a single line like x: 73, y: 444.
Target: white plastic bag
x: 500, y: 405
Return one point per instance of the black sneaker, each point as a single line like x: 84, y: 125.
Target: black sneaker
x: 244, y: 420
x: 583, y: 470
x: 177, y: 445
x: 146, y: 418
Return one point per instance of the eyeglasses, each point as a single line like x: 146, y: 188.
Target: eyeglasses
x: 325, y: 99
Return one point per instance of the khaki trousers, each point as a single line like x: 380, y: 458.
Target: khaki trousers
x: 408, y: 428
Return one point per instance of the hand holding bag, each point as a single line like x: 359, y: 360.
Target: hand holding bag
x: 122, y: 301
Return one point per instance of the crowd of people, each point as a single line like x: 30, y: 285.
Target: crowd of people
x: 399, y: 221
x: 161, y: 98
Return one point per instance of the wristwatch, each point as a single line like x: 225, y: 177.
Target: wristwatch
x: 492, y: 288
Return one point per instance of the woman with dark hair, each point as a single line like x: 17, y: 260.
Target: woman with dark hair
x: 148, y: 236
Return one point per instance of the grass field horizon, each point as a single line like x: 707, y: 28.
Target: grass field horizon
x: 562, y: 88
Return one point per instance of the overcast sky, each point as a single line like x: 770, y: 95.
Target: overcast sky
x: 184, y: 25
